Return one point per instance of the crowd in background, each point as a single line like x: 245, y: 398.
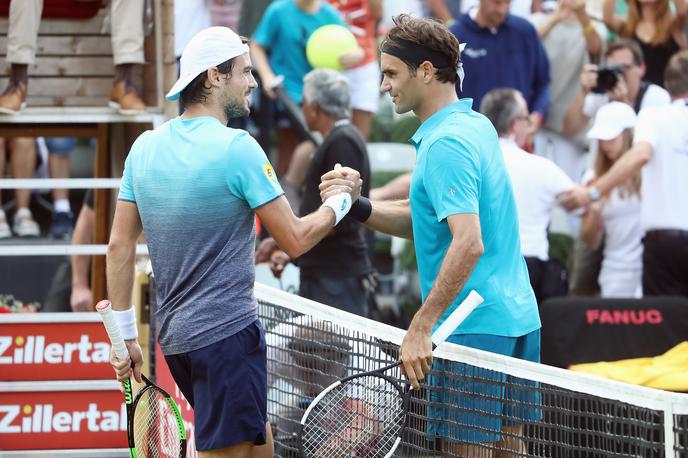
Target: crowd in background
x: 562, y: 81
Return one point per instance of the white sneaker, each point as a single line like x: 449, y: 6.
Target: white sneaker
x: 24, y: 225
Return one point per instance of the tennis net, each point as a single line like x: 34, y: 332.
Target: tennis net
x: 473, y: 404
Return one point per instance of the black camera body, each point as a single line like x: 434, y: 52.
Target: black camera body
x: 607, y: 77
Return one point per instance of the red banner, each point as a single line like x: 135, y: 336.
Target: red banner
x: 54, y: 351
x: 62, y: 420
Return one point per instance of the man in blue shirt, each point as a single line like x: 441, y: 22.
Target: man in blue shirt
x: 194, y: 187
x: 503, y: 51
x: 278, y: 47
x: 462, y: 217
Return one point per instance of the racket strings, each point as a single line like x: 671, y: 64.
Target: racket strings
x: 360, y: 418
x: 156, y: 434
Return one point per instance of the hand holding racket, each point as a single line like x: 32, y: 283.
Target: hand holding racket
x: 365, y: 414
x: 155, y: 428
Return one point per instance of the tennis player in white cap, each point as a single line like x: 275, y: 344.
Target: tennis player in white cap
x: 194, y: 186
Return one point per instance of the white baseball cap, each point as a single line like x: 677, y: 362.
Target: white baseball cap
x: 612, y: 119
x: 208, y: 48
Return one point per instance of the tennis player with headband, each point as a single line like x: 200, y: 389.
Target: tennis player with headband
x: 462, y: 217
x: 194, y: 186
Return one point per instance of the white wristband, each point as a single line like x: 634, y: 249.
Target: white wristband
x: 340, y: 204
x: 126, y: 320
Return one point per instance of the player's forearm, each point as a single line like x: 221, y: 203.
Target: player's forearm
x: 391, y: 217
x: 120, y: 274
x: 462, y: 256
x: 306, y: 232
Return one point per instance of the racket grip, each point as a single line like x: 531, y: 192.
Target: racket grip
x: 456, y: 318
x: 104, y: 308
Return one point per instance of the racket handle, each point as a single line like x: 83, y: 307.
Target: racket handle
x: 456, y: 318
x: 104, y: 308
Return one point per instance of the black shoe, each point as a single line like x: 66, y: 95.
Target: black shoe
x: 62, y: 225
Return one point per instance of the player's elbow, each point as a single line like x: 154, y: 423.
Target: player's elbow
x: 476, y: 249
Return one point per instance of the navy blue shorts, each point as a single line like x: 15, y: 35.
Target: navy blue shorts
x: 226, y: 384
x: 471, y: 404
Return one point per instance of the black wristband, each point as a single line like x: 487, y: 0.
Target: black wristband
x: 361, y: 209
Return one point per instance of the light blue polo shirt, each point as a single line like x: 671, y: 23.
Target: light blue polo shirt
x: 460, y: 169
x: 284, y: 31
x: 196, y: 184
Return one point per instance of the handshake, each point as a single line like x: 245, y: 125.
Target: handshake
x: 339, y: 189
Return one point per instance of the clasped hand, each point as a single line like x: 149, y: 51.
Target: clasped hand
x: 341, y: 179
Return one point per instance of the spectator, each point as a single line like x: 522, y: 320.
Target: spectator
x: 278, y: 49
x: 536, y: 182
x: 327, y: 109
x: 60, y: 150
x: 77, y: 298
x: 660, y: 150
x: 225, y: 13
x: 659, y: 32
x: 616, y: 217
x: 570, y: 40
x: 22, y: 153
x: 190, y: 17
x: 364, y: 78
x: 520, y: 8
x: 503, y: 50
x: 629, y: 88
x: 127, y: 46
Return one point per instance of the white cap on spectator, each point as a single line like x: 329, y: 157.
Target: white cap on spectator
x: 208, y: 48
x: 612, y: 119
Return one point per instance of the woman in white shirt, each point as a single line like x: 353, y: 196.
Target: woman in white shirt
x: 615, y: 218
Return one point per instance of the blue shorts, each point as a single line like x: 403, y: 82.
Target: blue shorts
x: 226, y: 384
x: 62, y: 146
x: 471, y: 404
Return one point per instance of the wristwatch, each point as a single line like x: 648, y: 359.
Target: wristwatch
x: 594, y: 194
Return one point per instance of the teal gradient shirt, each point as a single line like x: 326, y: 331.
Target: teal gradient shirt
x: 460, y: 170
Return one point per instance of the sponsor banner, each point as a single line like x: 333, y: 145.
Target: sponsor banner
x: 165, y: 381
x: 54, y: 351
x: 62, y: 420
x: 578, y: 330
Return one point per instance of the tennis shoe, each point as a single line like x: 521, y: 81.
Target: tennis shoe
x: 24, y: 225
x: 61, y: 227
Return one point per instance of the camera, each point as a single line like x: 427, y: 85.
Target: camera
x: 607, y: 77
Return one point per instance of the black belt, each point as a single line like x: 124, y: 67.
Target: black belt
x: 665, y: 233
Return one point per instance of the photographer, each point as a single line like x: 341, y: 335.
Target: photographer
x: 620, y: 79
x: 660, y: 153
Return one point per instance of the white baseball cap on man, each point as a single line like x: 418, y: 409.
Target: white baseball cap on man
x: 208, y: 48
x: 612, y: 119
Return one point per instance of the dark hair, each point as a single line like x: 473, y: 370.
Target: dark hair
x: 631, y: 46
x: 500, y: 106
x: 430, y: 34
x: 676, y: 74
x: 197, y: 91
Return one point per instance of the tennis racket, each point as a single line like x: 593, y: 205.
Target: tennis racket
x: 364, y: 415
x: 155, y: 428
